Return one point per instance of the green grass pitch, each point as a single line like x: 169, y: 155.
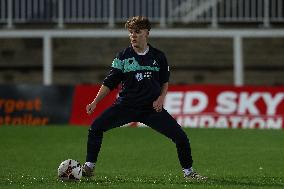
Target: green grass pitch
x: 142, y: 158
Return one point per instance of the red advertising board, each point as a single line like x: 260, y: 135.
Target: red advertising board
x: 83, y: 95
x: 226, y: 106
x: 212, y: 106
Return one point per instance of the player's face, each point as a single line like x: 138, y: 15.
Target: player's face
x: 138, y: 38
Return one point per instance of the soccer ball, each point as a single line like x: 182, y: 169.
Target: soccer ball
x: 70, y: 170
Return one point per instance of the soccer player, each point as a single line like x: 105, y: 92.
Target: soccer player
x: 143, y: 73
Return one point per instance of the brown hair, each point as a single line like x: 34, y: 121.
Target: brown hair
x: 138, y: 23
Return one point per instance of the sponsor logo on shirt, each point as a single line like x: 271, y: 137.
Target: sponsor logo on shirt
x: 131, y: 64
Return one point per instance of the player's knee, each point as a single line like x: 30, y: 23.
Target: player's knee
x: 95, y: 133
x: 182, y: 140
x: 96, y: 128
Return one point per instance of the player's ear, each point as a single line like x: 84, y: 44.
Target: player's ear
x: 148, y: 32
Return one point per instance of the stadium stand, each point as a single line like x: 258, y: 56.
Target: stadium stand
x: 193, y: 60
x: 163, y: 12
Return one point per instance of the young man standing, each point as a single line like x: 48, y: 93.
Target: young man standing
x: 144, y: 73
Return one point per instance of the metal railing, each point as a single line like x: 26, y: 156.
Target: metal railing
x: 236, y: 34
x: 163, y: 12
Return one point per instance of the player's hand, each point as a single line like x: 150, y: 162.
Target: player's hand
x: 158, y: 104
x: 90, y: 108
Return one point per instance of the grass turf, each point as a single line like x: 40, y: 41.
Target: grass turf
x: 142, y: 158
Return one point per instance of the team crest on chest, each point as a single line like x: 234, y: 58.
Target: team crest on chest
x: 139, y: 76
